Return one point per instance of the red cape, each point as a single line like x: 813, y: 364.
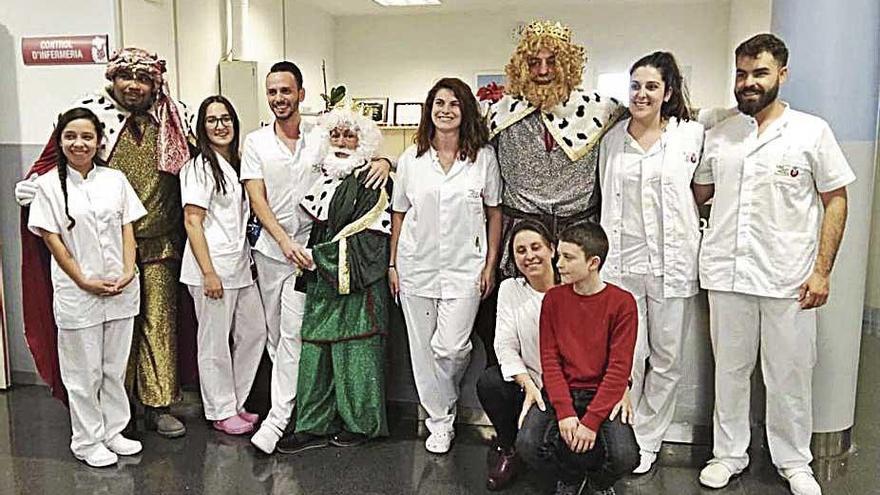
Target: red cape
x: 39, y: 320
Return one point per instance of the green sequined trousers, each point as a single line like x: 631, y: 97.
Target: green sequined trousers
x: 345, y: 388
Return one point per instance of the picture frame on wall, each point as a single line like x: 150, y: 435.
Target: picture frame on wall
x: 483, y: 79
x: 408, y: 113
x: 378, y: 108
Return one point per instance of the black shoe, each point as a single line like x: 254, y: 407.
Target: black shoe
x: 299, y: 442
x: 346, y: 438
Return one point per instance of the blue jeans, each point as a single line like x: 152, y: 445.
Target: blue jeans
x: 615, y: 453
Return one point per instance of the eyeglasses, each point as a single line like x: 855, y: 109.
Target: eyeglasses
x: 226, y: 120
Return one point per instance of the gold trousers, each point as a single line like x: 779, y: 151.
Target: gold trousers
x: 152, y: 365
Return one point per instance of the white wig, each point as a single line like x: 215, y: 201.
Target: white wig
x: 369, y: 135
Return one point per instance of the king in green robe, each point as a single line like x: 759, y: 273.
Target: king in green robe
x: 341, y: 383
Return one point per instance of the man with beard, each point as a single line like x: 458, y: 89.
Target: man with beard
x: 341, y: 376
x: 766, y: 261
x: 146, y: 138
x: 278, y: 167
x: 546, y: 133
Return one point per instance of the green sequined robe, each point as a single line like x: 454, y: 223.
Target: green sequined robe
x: 341, y: 380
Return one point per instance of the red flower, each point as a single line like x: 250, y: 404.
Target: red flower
x: 491, y: 92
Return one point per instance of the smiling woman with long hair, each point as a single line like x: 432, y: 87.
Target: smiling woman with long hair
x: 216, y: 269
x: 446, y: 231
x: 84, y: 213
x: 646, y: 164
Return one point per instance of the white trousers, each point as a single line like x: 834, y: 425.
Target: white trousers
x: 272, y: 275
x: 741, y: 324
x: 440, y: 346
x: 93, y: 362
x: 657, y: 356
x: 226, y: 375
x: 285, y: 369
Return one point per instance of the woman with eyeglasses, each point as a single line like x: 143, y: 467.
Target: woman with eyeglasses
x: 216, y: 269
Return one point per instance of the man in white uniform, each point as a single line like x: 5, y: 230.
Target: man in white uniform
x: 766, y: 260
x: 278, y: 168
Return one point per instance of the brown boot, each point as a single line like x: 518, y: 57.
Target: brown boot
x: 504, y: 469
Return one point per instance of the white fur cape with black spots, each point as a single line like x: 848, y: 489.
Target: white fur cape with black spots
x: 576, y: 124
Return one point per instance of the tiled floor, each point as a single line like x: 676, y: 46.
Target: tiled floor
x: 34, y: 459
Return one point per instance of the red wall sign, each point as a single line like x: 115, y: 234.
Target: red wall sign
x: 65, y: 50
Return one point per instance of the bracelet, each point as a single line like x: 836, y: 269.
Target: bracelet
x: 392, y: 266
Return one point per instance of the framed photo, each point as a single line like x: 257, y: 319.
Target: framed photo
x: 377, y: 106
x: 409, y: 113
x: 485, y: 78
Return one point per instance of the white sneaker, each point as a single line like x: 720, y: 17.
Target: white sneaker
x: 716, y: 475
x: 120, y: 445
x: 440, y: 442
x: 646, y: 460
x: 803, y: 483
x: 100, y: 456
x: 265, y: 438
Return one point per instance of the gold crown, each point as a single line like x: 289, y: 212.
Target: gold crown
x: 547, y: 28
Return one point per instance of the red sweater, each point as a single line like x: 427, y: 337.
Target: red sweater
x: 587, y: 342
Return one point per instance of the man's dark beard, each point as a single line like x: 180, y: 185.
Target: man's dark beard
x: 136, y: 119
x: 753, y: 108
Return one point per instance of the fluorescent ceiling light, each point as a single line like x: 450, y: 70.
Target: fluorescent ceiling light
x: 406, y: 3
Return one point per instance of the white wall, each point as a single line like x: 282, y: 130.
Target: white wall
x: 201, y: 40
x: 747, y: 18
x: 264, y: 43
x: 312, y: 36
x: 31, y: 96
x: 401, y: 56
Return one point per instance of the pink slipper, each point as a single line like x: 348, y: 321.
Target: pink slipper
x: 250, y: 417
x: 234, y: 425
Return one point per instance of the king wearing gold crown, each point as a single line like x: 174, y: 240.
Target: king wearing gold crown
x: 546, y: 132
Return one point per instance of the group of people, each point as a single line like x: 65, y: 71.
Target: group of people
x: 584, y: 209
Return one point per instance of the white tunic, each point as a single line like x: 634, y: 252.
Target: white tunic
x: 516, y: 331
x: 641, y: 247
x: 655, y: 189
x: 225, y: 224
x: 764, y: 226
x: 102, y: 203
x: 442, y: 245
x: 287, y: 177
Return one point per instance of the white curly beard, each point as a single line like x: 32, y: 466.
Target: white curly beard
x: 334, y: 166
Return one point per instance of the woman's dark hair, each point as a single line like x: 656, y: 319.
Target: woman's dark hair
x: 63, y: 120
x: 678, y: 105
x: 204, y: 143
x: 530, y: 226
x: 473, y: 133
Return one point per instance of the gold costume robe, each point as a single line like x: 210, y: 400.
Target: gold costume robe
x: 152, y: 367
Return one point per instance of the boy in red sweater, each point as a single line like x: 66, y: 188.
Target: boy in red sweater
x: 588, y: 332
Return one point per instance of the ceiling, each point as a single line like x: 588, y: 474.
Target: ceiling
x: 368, y: 7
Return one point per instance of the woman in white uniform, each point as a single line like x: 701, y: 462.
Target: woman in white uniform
x: 646, y: 164
x: 216, y: 269
x: 84, y: 212
x: 446, y: 231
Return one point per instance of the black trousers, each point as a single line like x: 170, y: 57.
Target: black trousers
x: 502, y: 402
x: 615, y: 453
